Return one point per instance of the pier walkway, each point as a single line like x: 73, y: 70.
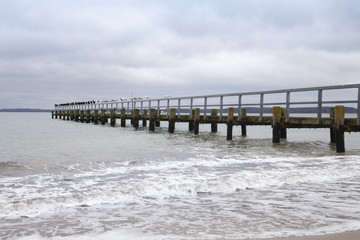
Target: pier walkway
x: 320, y: 107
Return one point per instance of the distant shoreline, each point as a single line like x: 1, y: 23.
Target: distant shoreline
x: 24, y: 110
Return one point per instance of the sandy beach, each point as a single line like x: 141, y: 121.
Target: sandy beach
x: 352, y: 235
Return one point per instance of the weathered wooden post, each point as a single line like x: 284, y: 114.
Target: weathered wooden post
x: 96, y: 116
x: 144, y: 119
x: 123, y: 117
x: 332, y: 129
x: 77, y: 113
x: 230, y: 123
x: 339, y: 128
x: 276, y: 124
x: 172, y: 116
x: 56, y: 114
x: 152, y: 119
x: 191, y: 122
x: 64, y: 115
x: 67, y: 115
x: 136, y: 113
x: 52, y: 114
x: 102, y: 117
x: 112, y: 117
x: 132, y: 116
x: 72, y: 115
x: 196, y: 120
x: 82, y: 116
x: 283, y: 133
x: 157, y: 122
x: 87, y: 116
x: 243, y: 117
x: 214, y: 118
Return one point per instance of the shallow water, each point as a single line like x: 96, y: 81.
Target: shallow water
x: 67, y: 180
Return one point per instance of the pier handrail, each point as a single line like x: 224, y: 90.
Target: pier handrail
x: 164, y: 104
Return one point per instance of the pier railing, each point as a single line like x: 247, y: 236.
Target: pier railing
x: 298, y: 97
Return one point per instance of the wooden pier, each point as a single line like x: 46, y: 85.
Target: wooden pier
x: 214, y: 110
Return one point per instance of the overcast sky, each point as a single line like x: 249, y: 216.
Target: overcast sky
x: 54, y: 51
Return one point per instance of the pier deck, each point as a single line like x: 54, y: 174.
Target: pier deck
x: 231, y: 109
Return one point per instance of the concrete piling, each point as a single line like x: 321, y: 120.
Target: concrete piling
x: 339, y: 128
x: 276, y: 124
x: 230, y: 123
x: 214, y: 117
x: 172, y: 116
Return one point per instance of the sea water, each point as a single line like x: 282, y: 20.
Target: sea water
x: 69, y: 180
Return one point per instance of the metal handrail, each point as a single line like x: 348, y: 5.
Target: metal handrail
x: 164, y: 104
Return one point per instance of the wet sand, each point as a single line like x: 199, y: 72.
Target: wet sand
x: 353, y: 235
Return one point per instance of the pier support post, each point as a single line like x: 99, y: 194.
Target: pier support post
x: 191, y: 122
x: 96, y: 116
x: 196, y: 120
x: 152, y: 119
x: 102, y: 117
x: 87, y: 116
x: 52, y: 114
x: 283, y: 132
x: 243, y: 117
x: 123, y: 117
x: 144, y: 120
x: 172, y: 116
x: 136, y: 113
x: 56, y: 114
x: 72, y: 115
x: 112, y: 117
x: 339, y: 128
x: 132, y: 117
x: 157, y: 122
x: 332, y: 129
x: 230, y: 123
x: 64, y: 115
x: 67, y: 115
x: 82, y: 116
x: 214, y: 118
x: 276, y: 124
x: 77, y: 113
